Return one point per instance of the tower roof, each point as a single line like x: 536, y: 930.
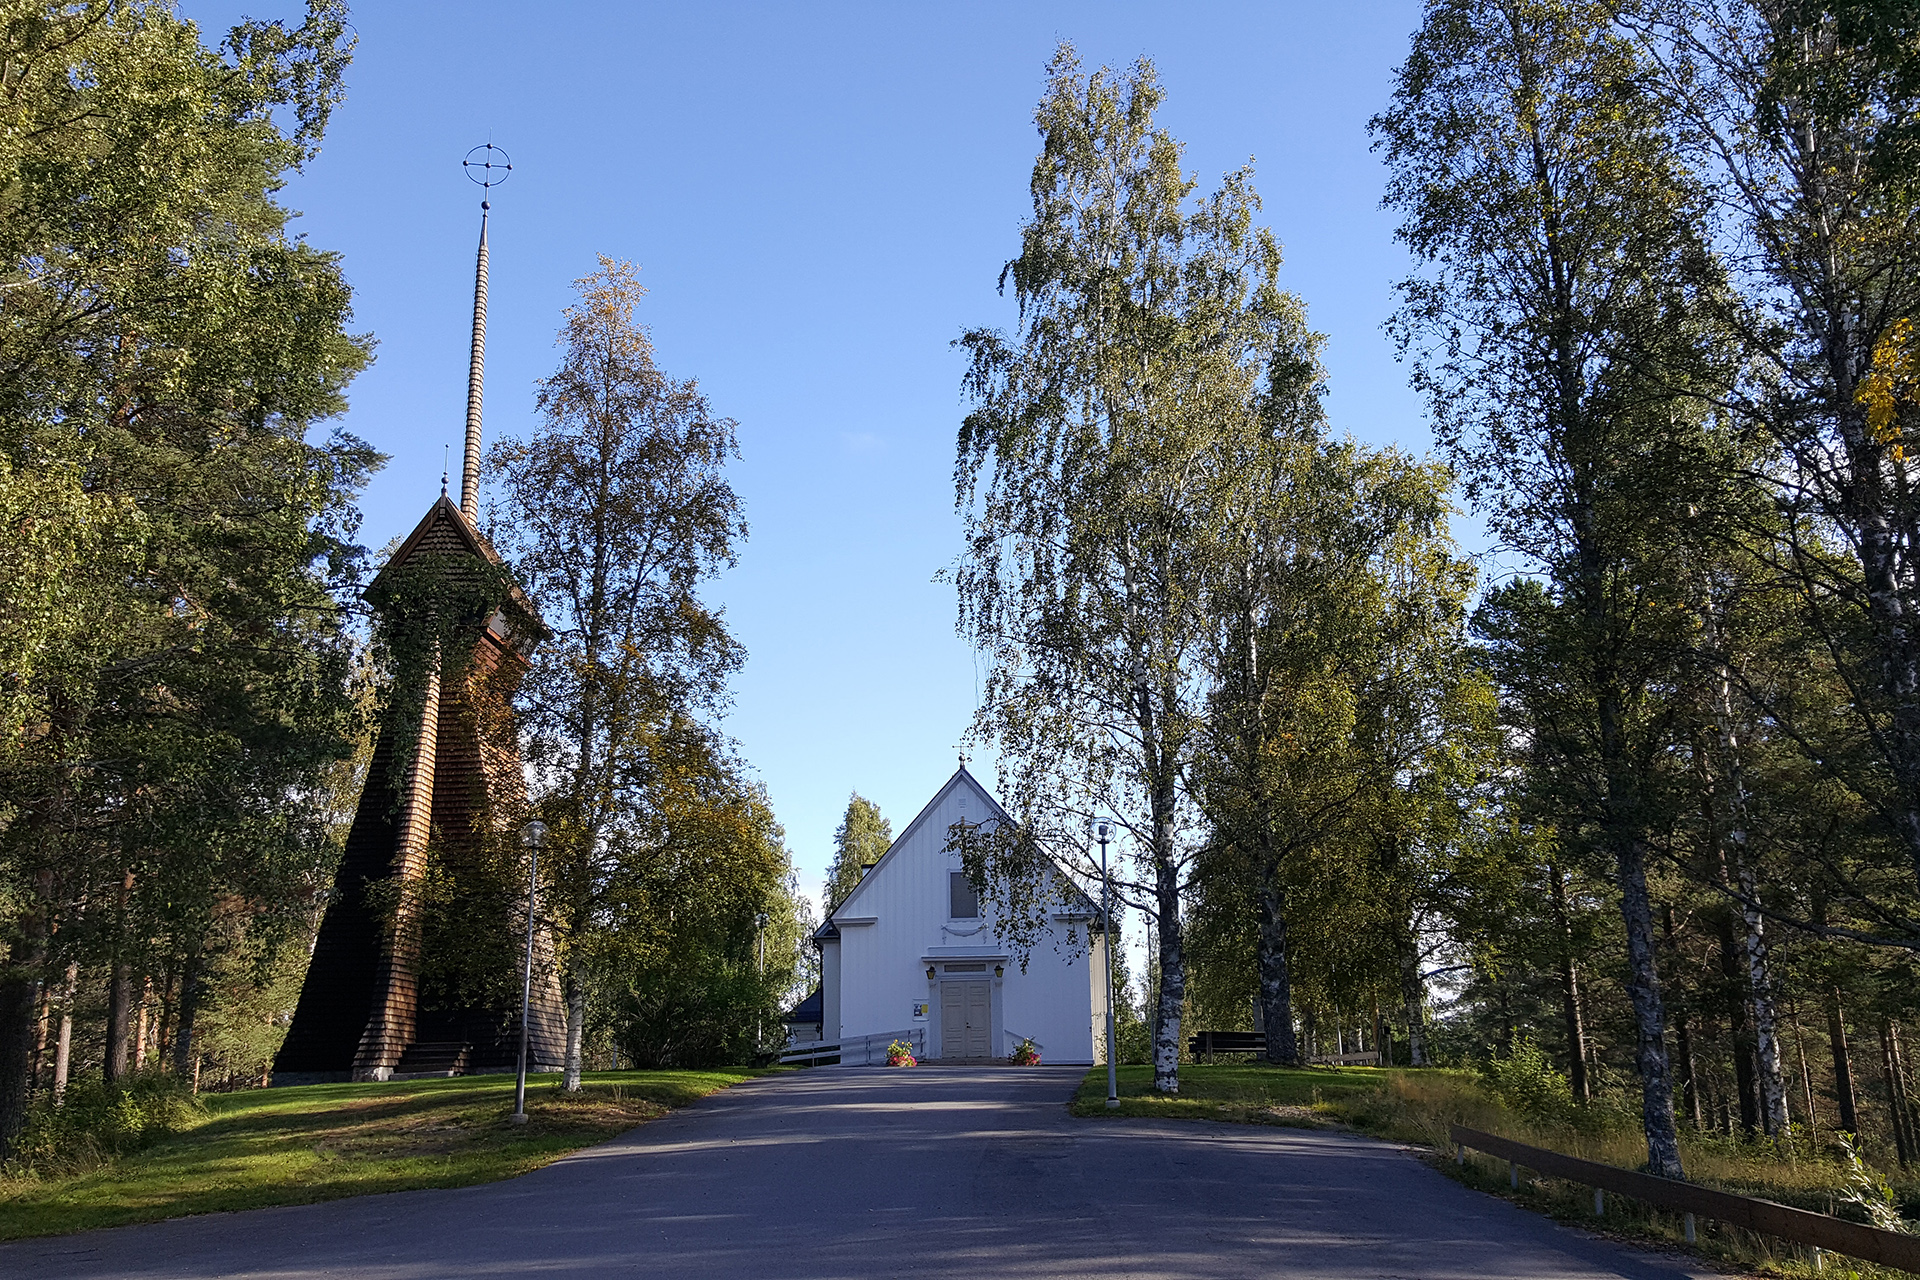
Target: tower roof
x: 446, y: 531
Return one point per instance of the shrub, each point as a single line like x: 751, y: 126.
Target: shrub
x: 97, y: 1121
x: 690, y: 1012
x: 1528, y: 1083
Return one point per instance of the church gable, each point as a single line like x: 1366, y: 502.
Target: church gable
x: 962, y: 798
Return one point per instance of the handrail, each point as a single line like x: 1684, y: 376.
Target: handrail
x: 1801, y: 1226
x: 850, y: 1048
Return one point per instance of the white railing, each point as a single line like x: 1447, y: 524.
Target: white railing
x: 1014, y: 1040
x: 860, y: 1051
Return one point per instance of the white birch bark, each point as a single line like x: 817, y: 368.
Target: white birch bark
x: 1773, y: 1088
x: 576, y: 1026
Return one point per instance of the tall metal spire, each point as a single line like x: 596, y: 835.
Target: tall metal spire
x: 476, y: 378
x: 489, y: 166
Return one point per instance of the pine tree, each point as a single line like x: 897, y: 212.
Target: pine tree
x: 169, y: 349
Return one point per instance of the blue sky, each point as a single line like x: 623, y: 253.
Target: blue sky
x: 820, y: 199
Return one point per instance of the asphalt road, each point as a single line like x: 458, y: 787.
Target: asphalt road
x: 850, y: 1172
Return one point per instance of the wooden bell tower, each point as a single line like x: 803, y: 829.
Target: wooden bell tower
x: 457, y: 789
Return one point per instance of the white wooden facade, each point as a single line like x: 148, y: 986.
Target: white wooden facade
x: 903, y: 952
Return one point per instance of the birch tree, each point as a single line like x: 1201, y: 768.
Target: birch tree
x: 1805, y: 116
x: 1330, y: 654
x: 1091, y: 474
x: 1555, y: 333
x: 615, y: 512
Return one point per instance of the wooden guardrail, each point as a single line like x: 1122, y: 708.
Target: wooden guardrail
x: 1801, y: 1226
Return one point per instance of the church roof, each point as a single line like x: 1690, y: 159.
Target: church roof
x: 812, y: 1009
x: 960, y: 776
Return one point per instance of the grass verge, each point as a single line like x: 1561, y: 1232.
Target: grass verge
x: 1418, y: 1107
x: 1234, y: 1092
x: 325, y: 1142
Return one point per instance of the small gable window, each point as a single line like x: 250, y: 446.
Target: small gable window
x: 962, y: 902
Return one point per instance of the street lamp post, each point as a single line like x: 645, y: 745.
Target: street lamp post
x: 532, y: 836
x: 1106, y: 932
x: 760, y: 972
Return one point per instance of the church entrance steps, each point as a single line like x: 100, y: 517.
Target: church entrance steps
x: 432, y: 1058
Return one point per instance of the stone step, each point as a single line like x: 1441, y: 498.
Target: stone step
x: 433, y: 1058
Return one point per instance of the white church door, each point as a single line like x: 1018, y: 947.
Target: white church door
x: 965, y: 1013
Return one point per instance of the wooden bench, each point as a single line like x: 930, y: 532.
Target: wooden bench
x: 1208, y: 1043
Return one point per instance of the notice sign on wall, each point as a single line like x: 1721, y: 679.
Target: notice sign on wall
x: 920, y: 1011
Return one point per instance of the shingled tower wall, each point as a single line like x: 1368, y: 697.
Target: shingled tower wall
x: 361, y: 1007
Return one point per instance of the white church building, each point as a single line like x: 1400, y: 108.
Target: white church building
x: 913, y: 948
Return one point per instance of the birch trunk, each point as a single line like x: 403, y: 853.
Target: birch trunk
x: 1772, y: 1082
x: 1161, y: 797
x: 1570, y: 991
x: 43, y: 1002
x: 1766, y: 1027
x: 1643, y: 987
x: 142, y: 1023
x: 576, y: 1030
x: 63, y: 1046
x: 1172, y: 995
x: 1413, y: 994
x: 1276, y: 984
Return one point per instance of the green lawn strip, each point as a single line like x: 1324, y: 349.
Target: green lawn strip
x: 1415, y: 1107
x: 1240, y: 1093
x: 324, y: 1142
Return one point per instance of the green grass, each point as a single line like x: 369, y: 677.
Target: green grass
x: 1417, y: 1107
x: 1235, y: 1092
x: 324, y: 1142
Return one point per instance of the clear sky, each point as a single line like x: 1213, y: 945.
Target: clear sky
x: 820, y: 198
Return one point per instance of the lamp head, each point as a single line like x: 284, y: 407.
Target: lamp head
x: 533, y: 835
x: 1102, y: 832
